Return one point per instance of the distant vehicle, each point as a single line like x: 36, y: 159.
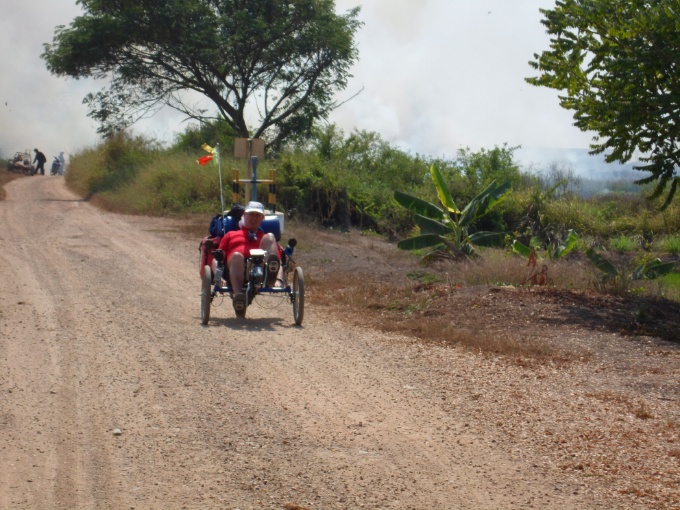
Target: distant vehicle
x: 20, y: 163
x: 56, y: 167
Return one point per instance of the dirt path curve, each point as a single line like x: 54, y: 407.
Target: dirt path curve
x: 100, y: 334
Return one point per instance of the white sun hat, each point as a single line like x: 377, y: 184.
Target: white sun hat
x: 254, y: 207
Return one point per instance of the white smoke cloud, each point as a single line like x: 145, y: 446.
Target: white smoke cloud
x: 437, y: 76
x: 36, y: 108
x: 451, y: 74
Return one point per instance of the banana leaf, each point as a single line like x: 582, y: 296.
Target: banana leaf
x: 601, y: 263
x: 521, y: 249
x: 418, y: 205
x: 484, y: 202
x: 430, y: 226
x: 653, y: 270
x: 442, y: 190
x: 470, y: 212
x: 569, y: 244
x: 468, y: 249
x: 658, y: 268
x: 419, y: 242
x: 487, y: 238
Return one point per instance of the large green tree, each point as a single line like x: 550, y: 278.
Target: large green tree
x: 280, y: 62
x: 618, y: 64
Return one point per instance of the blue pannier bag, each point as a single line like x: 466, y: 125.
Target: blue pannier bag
x: 271, y: 225
x: 220, y: 225
x: 223, y: 223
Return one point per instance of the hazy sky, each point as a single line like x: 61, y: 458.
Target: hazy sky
x: 437, y: 76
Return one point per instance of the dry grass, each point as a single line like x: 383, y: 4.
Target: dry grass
x: 500, y: 267
x: 425, y: 301
x: 425, y: 311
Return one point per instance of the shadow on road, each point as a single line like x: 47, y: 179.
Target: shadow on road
x: 250, y: 325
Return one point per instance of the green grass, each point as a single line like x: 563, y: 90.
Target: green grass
x: 424, y: 277
x: 170, y: 185
x: 670, y: 286
x: 669, y: 244
x: 624, y: 244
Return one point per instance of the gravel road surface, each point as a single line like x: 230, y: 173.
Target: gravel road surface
x: 113, y: 396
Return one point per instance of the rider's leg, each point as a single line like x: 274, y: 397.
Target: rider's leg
x: 269, y: 244
x: 236, y: 270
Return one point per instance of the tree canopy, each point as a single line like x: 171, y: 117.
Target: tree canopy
x: 279, y: 61
x: 618, y: 63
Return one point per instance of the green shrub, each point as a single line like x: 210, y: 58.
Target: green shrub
x: 349, y: 181
x: 669, y: 244
x: 112, y: 164
x: 190, y: 141
x: 85, y: 170
x: 624, y: 244
x: 170, y: 184
x: 670, y: 286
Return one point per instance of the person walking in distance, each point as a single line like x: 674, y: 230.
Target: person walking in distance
x: 40, y: 159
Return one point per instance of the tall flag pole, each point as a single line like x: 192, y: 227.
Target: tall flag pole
x: 219, y: 169
x: 214, y: 156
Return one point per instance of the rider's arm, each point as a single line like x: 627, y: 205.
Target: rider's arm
x: 224, y: 244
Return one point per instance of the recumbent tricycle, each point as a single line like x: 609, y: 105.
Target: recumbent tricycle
x: 216, y: 285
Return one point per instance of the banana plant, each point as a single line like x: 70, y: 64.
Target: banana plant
x: 646, y: 271
x: 448, y: 226
x: 554, y: 251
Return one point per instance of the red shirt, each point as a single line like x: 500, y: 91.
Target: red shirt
x: 238, y: 241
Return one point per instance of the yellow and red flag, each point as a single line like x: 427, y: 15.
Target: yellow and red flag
x: 204, y: 160
x: 213, y: 155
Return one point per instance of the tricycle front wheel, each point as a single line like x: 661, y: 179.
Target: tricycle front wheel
x: 206, y: 295
x: 298, y: 295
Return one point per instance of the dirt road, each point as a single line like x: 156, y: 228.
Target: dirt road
x: 112, y: 395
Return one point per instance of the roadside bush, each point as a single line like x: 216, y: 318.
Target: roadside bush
x: 311, y: 189
x: 111, y: 165
x: 194, y: 136
x: 171, y: 184
x: 669, y: 244
x: 85, y: 170
x: 624, y: 244
x: 348, y: 181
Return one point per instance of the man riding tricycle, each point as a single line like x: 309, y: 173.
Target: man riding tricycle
x: 245, y: 259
